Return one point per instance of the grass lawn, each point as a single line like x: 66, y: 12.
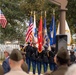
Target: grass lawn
x: 42, y: 71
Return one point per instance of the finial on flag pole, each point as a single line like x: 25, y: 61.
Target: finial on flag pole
x: 34, y: 12
x: 31, y: 13
x: 45, y: 13
x: 41, y: 13
x: 53, y: 11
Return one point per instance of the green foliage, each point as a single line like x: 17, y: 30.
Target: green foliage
x: 16, y: 11
x: 71, y: 15
x: 13, y: 14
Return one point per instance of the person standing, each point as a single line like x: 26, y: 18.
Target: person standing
x: 15, y: 61
x: 51, y: 60
x: 62, y: 59
x: 5, y: 63
x: 34, y: 58
x: 39, y: 62
x: 45, y: 58
x: 72, y: 57
x: 28, y: 50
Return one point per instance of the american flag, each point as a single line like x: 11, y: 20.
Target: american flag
x: 3, y: 20
x: 29, y: 35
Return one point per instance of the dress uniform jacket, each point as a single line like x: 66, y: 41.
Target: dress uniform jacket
x: 28, y: 51
x: 34, y: 50
x: 60, y: 71
x: 39, y: 57
x: 16, y: 71
x: 51, y: 57
x: 45, y: 56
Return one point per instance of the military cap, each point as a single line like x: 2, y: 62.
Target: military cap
x: 16, y: 55
x: 1, y: 70
x: 63, y: 54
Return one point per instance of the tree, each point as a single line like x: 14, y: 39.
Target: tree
x: 17, y: 11
x: 71, y: 15
x: 15, y: 18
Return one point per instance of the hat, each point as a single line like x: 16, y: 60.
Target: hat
x: 8, y: 49
x: 16, y: 55
x: 63, y: 54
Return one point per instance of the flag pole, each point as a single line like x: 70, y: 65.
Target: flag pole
x: 33, y: 27
x: 41, y: 14
x: 34, y: 13
x: 31, y: 13
x: 45, y: 14
x: 54, y: 13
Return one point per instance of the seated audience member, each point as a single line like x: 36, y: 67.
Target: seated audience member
x: 1, y: 70
x: 15, y: 61
x: 71, y: 70
x: 24, y: 65
x: 62, y: 59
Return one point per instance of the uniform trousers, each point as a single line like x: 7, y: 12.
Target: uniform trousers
x: 34, y: 66
x: 45, y: 66
x: 28, y: 61
x: 52, y: 66
x: 39, y: 67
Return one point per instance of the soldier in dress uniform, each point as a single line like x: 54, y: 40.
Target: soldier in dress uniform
x: 34, y: 51
x: 28, y: 50
x: 51, y: 60
x: 39, y: 62
x: 45, y: 58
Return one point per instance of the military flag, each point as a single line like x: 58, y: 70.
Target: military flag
x: 40, y: 35
x: 35, y: 40
x: 52, y: 33
x: 45, y: 35
x: 67, y: 32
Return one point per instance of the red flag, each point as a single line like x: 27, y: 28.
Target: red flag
x: 40, y: 36
x: 3, y: 20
